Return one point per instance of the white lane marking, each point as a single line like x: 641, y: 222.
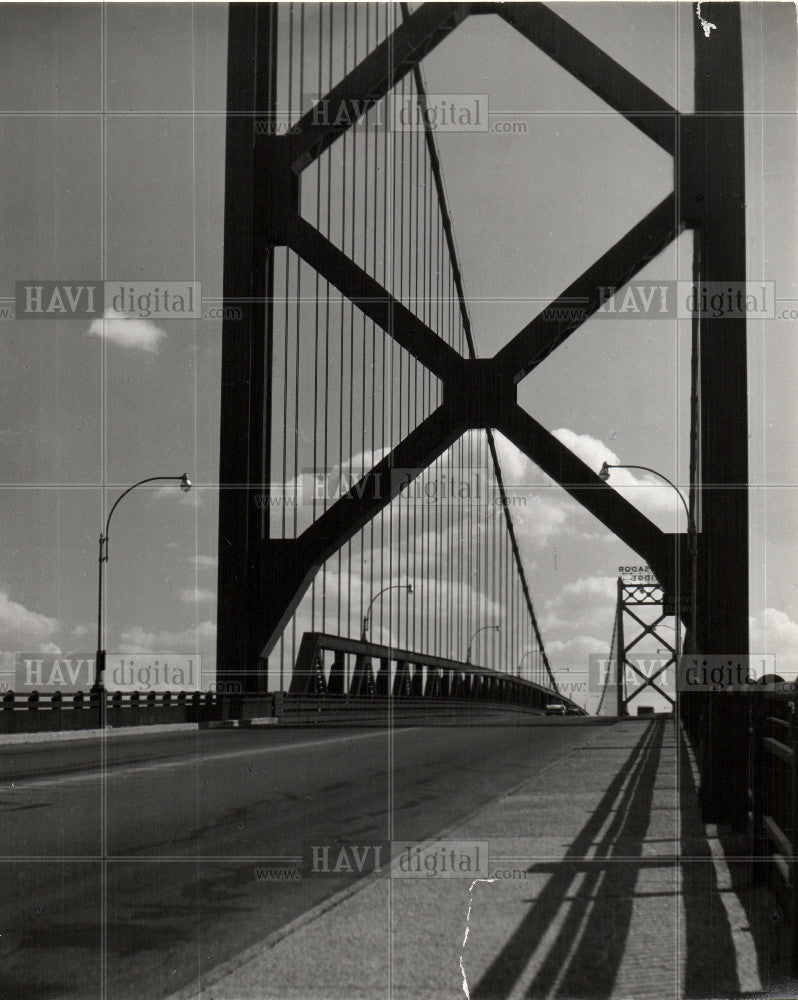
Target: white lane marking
x: 163, y: 765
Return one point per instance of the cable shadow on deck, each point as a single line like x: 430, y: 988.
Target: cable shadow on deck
x: 585, y: 955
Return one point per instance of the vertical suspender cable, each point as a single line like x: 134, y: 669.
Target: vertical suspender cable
x: 317, y: 167
x: 328, y: 234
x: 300, y: 91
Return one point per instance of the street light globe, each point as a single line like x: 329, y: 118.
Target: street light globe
x: 185, y: 483
x: 410, y: 588
x: 605, y: 472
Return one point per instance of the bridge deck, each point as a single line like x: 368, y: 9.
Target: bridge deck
x: 606, y: 884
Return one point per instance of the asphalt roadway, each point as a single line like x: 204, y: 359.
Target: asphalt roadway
x: 129, y: 864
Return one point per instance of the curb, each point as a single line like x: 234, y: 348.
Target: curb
x: 90, y: 734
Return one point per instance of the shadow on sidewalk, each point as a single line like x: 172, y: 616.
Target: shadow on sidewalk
x: 584, y: 957
x: 709, y: 961
x: 710, y: 965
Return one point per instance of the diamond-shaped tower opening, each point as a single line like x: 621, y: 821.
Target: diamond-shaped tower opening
x: 556, y: 180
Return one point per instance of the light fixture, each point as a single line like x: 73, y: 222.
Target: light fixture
x: 99, y: 667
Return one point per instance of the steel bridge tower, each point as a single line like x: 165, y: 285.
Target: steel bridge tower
x: 263, y: 575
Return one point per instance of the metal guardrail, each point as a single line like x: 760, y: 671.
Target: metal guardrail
x: 432, y: 680
x: 68, y: 711
x: 773, y: 798
x: 29, y: 713
x: 348, y: 688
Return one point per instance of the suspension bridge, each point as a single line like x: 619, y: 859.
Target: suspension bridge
x: 384, y: 694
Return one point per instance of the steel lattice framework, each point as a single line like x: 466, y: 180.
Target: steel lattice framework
x: 261, y: 579
x: 633, y: 597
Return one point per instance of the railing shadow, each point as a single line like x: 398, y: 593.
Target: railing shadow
x: 766, y: 918
x: 750, y: 878
x: 710, y: 959
x: 605, y: 895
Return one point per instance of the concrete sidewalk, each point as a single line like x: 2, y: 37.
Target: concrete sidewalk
x: 70, y: 735
x: 602, y: 883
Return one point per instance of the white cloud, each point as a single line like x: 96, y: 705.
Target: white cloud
x: 117, y: 328
x: 201, y: 639
x: 25, y: 630
x: 540, y: 519
x: 588, y: 601
x: 603, y: 586
x: 591, y: 450
x: 195, y: 595
x: 517, y: 469
x: 208, y: 561
x: 773, y: 631
x: 648, y: 493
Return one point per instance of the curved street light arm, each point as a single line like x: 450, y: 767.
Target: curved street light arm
x: 366, y: 617
x: 482, y: 628
x: 691, y: 530
x: 529, y: 652
x: 141, y: 482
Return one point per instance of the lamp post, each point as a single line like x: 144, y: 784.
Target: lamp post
x: 692, y: 533
x: 529, y: 652
x: 366, y: 618
x: 99, y: 665
x: 482, y: 628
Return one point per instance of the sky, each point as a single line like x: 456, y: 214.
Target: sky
x: 112, y: 135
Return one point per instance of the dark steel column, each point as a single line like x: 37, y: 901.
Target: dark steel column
x: 620, y: 654
x: 244, y: 464
x: 722, y: 554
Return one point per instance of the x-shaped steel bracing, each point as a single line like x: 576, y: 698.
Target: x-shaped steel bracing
x: 477, y: 393
x: 643, y: 595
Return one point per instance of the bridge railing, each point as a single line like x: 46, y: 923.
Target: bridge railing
x: 30, y: 712
x: 346, y: 686
x: 773, y: 798
x: 403, y: 674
